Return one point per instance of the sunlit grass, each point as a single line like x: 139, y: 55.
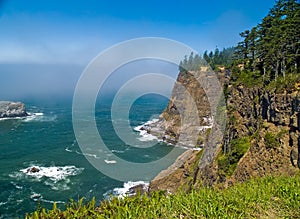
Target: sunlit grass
x: 268, y: 197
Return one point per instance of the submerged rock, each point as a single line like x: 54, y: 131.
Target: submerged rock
x: 12, y: 109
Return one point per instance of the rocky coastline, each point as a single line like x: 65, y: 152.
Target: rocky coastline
x: 9, y: 109
x: 188, y: 122
x: 264, y: 122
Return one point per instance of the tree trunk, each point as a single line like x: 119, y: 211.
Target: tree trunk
x: 283, y: 68
x: 276, y: 70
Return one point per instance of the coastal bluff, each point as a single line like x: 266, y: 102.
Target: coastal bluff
x: 9, y: 109
x: 261, y: 137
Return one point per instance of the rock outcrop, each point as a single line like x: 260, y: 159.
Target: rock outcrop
x: 269, y: 121
x: 190, y: 120
x: 12, y: 109
x: 262, y: 137
x: 272, y: 120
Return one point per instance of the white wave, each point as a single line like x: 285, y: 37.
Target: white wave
x: 16, y: 175
x: 11, y: 118
x: 16, y: 185
x: 49, y: 201
x: 148, y: 137
x: 68, y: 150
x: 80, y: 153
x: 30, y: 117
x: 87, y: 154
x: 110, y: 161
x: 126, y: 190
x: 58, y: 186
x: 151, y: 121
x: 117, y: 151
x: 3, y: 203
x: 145, y: 136
x: 38, y: 197
x: 54, y: 173
x: 39, y: 117
x: 190, y: 148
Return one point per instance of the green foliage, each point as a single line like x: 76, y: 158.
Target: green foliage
x: 227, y: 161
x: 258, y: 198
x: 282, y: 83
x: 214, y: 60
x: 191, y: 63
x: 74, y: 209
x: 220, y: 58
x: 248, y: 78
x: 271, y: 141
x: 272, y: 47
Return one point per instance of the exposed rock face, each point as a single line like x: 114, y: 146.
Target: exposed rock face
x: 190, y: 120
x: 181, y: 174
x: 12, y: 109
x: 270, y: 120
x: 269, y: 114
x: 191, y: 110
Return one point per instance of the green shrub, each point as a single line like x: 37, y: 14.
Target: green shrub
x: 249, y: 78
x: 227, y: 162
x: 284, y: 83
x: 271, y: 140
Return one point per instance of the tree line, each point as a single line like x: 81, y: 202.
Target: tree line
x: 272, y: 47
x: 215, y: 59
x: 269, y: 50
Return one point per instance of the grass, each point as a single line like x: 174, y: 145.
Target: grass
x: 269, y: 197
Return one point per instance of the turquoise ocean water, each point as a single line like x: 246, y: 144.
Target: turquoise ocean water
x: 46, y: 140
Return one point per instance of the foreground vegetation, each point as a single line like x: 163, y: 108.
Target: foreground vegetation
x: 270, y: 197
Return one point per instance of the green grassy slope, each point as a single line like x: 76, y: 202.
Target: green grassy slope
x: 270, y: 197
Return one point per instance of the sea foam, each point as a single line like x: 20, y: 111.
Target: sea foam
x: 126, y: 190
x: 145, y: 136
x: 54, y: 173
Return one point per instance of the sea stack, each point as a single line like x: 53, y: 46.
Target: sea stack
x: 10, y: 109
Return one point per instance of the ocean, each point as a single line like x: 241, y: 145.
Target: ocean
x: 46, y: 141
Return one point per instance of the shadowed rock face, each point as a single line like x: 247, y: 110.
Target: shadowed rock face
x: 12, y: 109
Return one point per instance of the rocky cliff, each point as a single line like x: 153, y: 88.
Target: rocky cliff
x: 190, y: 120
x: 12, y: 109
x: 261, y: 138
x: 270, y: 122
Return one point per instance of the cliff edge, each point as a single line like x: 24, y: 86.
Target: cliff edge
x: 193, y: 119
x: 262, y: 137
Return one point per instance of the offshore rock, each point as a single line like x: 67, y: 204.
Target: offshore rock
x: 12, y: 109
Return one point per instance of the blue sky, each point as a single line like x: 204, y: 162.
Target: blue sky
x: 73, y: 32
x: 45, y: 45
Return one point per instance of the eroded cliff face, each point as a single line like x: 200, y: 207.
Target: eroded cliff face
x: 271, y: 122
x: 187, y: 110
x: 262, y: 137
x: 190, y: 121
